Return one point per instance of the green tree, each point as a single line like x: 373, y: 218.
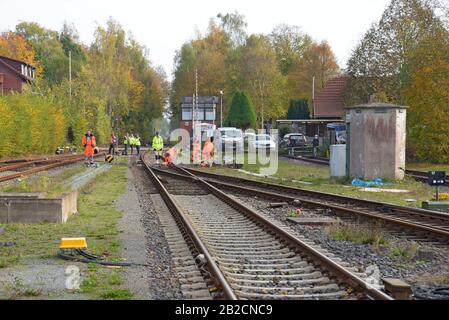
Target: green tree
x: 241, y: 112
x: 298, y: 110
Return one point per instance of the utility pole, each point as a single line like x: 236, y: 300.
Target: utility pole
x: 70, y: 74
x: 313, y: 95
x: 221, y: 108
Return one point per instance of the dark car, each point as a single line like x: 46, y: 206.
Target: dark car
x: 296, y: 140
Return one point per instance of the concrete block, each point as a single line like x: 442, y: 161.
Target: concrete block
x: 442, y: 206
x: 37, y: 210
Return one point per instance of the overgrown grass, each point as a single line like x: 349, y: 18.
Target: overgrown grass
x: 97, y: 221
x: 357, y: 234
x: 403, y: 252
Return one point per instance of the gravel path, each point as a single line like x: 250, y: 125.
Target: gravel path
x: 428, y: 268
x: 144, y: 240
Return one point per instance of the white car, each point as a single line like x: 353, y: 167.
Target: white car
x: 229, y: 138
x: 262, y: 141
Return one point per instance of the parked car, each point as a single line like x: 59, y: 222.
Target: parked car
x: 227, y: 138
x: 294, y: 140
x: 262, y: 141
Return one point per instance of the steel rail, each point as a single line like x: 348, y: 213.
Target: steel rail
x: 176, y: 210
x: 415, y: 174
x: 343, y: 274
x: 380, y: 206
x: 44, y: 168
x: 279, y: 197
x: 33, y: 162
x: 35, y: 158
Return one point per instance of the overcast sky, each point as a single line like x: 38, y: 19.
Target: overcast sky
x: 164, y: 25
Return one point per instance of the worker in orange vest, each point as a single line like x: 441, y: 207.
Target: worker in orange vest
x: 169, y: 156
x: 89, y: 144
x: 196, y: 150
x: 208, y: 153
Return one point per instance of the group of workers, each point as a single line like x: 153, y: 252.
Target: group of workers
x: 166, y: 158
x: 169, y: 156
x: 131, y: 141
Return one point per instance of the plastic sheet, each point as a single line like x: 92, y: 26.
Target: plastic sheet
x: 370, y: 183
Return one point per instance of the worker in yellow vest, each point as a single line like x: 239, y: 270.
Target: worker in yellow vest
x: 132, y: 142
x: 138, y: 143
x: 157, y: 145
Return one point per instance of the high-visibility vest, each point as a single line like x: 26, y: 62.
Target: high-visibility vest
x: 125, y: 141
x: 158, y: 143
x: 138, y: 142
x: 132, y: 141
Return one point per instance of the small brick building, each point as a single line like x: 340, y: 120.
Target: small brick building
x: 14, y: 74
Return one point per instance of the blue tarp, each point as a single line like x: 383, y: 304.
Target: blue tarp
x: 372, y: 183
x: 337, y: 126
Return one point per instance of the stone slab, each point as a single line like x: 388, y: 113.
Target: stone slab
x: 21, y: 194
x: 312, y: 221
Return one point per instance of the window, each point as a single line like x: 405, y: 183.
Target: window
x: 199, y: 114
x: 186, y: 114
x: 210, y: 114
x: 23, y: 69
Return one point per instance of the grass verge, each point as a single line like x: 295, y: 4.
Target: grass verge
x: 97, y: 221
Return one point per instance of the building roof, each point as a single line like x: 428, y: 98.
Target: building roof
x: 12, y: 59
x: 330, y: 101
x: 201, y: 100
x: 377, y: 105
x: 309, y: 121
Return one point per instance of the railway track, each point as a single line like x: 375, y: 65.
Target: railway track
x: 417, y: 175
x: 43, y: 165
x: 251, y: 257
x: 414, y: 223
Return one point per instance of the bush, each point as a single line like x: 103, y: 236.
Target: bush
x: 30, y: 124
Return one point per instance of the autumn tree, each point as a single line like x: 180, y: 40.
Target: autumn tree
x: 378, y: 65
x: 317, y: 61
x: 403, y: 59
x: 290, y: 44
x: 14, y: 45
x: 262, y: 79
x: 48, y: 50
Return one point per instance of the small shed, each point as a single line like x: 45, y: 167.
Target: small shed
x: 376, y: 141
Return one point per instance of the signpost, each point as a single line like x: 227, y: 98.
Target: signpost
x: 437, y: 179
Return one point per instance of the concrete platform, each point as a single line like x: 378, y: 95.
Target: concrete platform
x: 312, y: 221
x: 17, y: 208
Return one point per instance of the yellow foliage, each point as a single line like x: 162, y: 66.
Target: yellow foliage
x: 428, y: 98
x: 30, y: 124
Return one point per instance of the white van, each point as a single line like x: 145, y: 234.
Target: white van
x: 228, y: 138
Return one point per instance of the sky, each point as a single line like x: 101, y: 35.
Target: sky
x: 164, y: 25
